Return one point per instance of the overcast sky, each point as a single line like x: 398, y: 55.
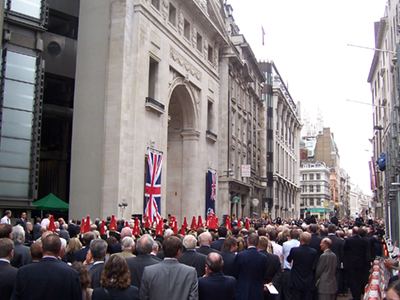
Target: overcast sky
x: 308, y: 42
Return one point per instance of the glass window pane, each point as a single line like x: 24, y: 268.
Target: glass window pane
x: 16, y: 124
x: 19, y: 95
x: 14, y: 189
x: 14, y: 145
x: 9, y: 174
x: 27, y: 7
x: 19, y: 160
x: 21, y: 67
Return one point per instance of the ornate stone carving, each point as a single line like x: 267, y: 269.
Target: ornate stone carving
x: 184, y: 63
x: 165, y: 6
x: 203, y: 5
x: 216, y: 57
x: 180, y: 22
x: 194, y: 37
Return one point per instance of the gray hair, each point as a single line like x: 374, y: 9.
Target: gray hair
x: 155, y: 246
x: 98, y: 248
x: 127, y: 243
x: 145, y: 244
x: 168, y: 233
x: 63, y: 243
x: 189, y: 242
x: 205, y: 238
x: 18, y: 234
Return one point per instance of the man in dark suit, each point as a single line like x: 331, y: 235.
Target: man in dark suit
x: 36, y: 229
x: 222, y: 231
x: 273, y: 275
x: 80, y: 255
x: 48, y: 279
x: 205, y: 240
x: 137, y: 264
x: 305, y: 260
x: 192, y: 258
x: 98, y: 249
x: 21, y: 252
x: 22, y: 220
x: 315, y: 242
x: 249, y: 270
x: 355, y: 257
x: 229, y: 255
x: 215, y: 285
x: 7, y: 272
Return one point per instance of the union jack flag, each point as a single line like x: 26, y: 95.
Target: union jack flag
x: 153, y: 187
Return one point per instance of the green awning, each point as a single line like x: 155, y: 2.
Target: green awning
x: 319, y: 210
x: 51, y: 202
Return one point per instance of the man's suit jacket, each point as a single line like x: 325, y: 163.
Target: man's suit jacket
x: 130, y: 293
x: 274, y: 269
x: 229, y: 258
x: 325, y: 273
x: 169, y: 280
x: 206, y: 250
x: 22, y: 255
x: 305, y: 261
x: 218, y: 244
x: 249, y: 270
x: 137, y: 265
x: 80, y: 255
x: 7, y: 278
x: 355, y: 252
x: 337, y: 248
x: 217, y: 286
x: 95, y: 274
x: 315, y: 243
x: 36, y: 231
x: 48, y: 279
x: 194, y: 259
x: 22, y: 223
x: 116, y: 248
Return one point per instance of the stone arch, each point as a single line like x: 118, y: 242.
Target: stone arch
x: 183, y: 139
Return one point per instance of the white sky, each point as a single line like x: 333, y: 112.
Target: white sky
x: 308, y: 41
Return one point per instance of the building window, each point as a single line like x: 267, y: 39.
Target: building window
x: 186, y: 29
x: 172, y: 14
x: 20, y: 125
x: 153, y: 70
x: 318, y: 187
x: 318, y: 202
x: 312, y: 202
x: 304, y: 177
x: 156, y: 3
x: 210, y: 116
x: 210, y: 53
x: 311, y: 188
x: 199, y: 42
x: 31, y: 8
x: 311, y: 176
x: 318, y: 176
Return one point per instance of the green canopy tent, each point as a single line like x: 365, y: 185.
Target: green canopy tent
x: 51, y: 202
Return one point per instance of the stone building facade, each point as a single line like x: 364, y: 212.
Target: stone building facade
x: 315, y: 190
x: 283, y: 141
x: 148, y: 75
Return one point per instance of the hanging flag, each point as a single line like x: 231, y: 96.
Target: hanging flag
x: 211, y: 192
x: 263, y: 34
x: 153, y: 187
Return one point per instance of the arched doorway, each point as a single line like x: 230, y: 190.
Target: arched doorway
x: 182, y: 149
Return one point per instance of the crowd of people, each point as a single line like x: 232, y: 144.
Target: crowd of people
x: 256, y: 259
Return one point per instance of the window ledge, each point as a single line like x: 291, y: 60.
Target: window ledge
x: 211, y: 136
x: 155, y: 106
